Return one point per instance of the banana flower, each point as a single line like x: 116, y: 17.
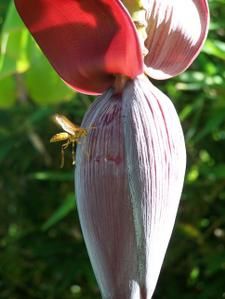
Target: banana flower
x: 130, y: 168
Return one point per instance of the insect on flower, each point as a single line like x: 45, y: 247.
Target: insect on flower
x: 72, y: 135
x: 127, y: 201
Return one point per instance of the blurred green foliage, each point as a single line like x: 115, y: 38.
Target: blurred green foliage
x: 42, y: 253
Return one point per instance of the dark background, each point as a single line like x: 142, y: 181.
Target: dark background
x: 42, y: 253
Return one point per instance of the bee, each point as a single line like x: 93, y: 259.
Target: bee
x: 72, y: 135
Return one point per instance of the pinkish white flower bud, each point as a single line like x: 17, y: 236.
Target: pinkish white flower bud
x: 129, y: 176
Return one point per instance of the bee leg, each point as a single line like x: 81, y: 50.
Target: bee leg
x: 62, y: 157
x: 63, y: 147
x: 73, y: 149
x: 73, y: 153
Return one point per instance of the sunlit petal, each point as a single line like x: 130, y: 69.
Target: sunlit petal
x: 176, y: 32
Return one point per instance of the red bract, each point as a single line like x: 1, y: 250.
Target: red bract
x: 130, y: 167
x: 88, y: 42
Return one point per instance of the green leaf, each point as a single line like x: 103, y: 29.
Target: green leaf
x: 213, y: 123
x: 217, y: 172
x: 51, y: 176
x: 14, y: 38
x: 5, y: 147
x: 3, y: 9
x: 215, y: 48
x: 7, y: 92
x: 67, y: 207
x: 13, y: 21
x: 13, y: 57
x: 43, y: 84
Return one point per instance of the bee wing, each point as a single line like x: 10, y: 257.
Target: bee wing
x: 66, y: 124
x: 60, y: 137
